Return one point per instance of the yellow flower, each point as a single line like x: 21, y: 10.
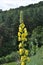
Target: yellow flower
x: 22, y: 25
x: 23, y: 63
x: 19, y: 34
x: 20, y: 29
x: 26, y: 52
x: 23, y: 37
x: 21, y: 45
x: 23, y: 58
x: 21, y: 51
x: 19, y: 38
x: 28, y: 59
x: 25, y: 31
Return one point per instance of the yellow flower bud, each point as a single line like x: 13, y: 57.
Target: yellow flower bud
x: 23, y: 58
x: 24, y: 35
x: 25, y: 31
x: 23, y: 63
x: 19, y: 34
x: 22, y: 25
x: 21, y: 51
x: 21, y: 45
x: 19, y: 38
x: 26, y: 52
x: 20, y: 29
x: 23, y: 39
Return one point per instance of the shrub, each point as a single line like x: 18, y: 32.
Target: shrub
x: 2, y: 60
x: 9, y: 58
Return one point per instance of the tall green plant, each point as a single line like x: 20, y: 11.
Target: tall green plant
x: 22, y: 38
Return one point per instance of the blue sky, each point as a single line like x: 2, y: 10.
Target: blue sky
x: 7, y: 4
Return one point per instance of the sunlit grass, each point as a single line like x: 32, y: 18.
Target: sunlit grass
x: 12, y: 63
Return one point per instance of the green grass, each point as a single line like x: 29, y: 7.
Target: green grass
x: 35, y: 60
x: 38, y: 58
x: 12, y: 63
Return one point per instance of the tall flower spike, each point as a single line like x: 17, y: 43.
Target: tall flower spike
x: 22, y: 38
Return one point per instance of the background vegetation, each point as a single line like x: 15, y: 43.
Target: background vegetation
x: 9, y: 22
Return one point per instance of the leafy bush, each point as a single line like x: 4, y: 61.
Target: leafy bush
x: 37, y: 36
x: 2, y: 60
x: 14, y: 56
x: 36, y: 40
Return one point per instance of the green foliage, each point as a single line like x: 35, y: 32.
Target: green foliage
x: 12, y: 63
x: 9, y: 22
x: 37, y: 36
x: 14, y: 56
x: 36, y: 40
x: 10, y: 45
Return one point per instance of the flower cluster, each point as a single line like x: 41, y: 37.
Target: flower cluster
x: 22, y: 33
x: 22, y: 37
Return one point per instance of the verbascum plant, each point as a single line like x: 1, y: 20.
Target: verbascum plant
x: 22, y: 38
